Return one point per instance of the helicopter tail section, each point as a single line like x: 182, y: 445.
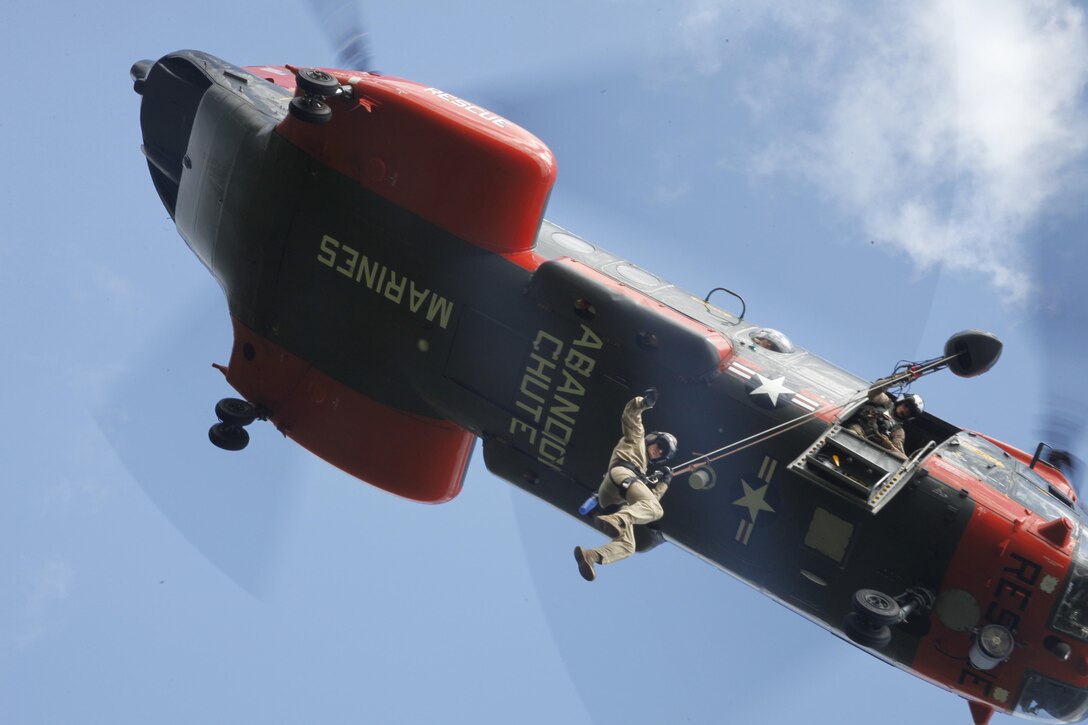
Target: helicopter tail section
x: 389, y: 135
x: 411, y: 455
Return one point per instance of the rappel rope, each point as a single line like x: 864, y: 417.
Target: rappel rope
x: 908, y: 375
x: 760, y: 437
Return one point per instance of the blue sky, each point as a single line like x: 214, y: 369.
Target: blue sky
x: 871, y: 178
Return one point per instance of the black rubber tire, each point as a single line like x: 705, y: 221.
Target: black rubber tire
x: 866, y: 633
x: 310, y: 109
x: 315, y: 82
x: 234, y: 411
x: 877, y: 607
x: 228, y: 437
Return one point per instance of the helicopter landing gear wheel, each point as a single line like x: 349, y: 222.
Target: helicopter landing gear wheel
x: 866, y: 632
x: 315, y: 82
x: 310, y: 109
x: 233, y: 411
x: 875, y: 613
x: 877, y: 607
x: 228, y: 437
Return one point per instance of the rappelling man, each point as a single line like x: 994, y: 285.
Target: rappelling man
x: 636, y: 479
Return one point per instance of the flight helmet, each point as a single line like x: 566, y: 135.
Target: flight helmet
x: 665, y: 441
x: 914, y: 404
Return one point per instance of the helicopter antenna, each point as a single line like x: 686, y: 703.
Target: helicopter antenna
x: 743, y: 306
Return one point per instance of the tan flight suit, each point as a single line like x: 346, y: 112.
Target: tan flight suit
x: 642, y: 505
x: 865, y: 424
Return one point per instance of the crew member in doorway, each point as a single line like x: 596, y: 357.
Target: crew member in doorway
x: 636, y: 479
x: 881, y: 419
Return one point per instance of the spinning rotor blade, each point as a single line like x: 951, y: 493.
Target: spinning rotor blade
x: 232, y: 507
x: 1060, y: 311
x: 343, y: 28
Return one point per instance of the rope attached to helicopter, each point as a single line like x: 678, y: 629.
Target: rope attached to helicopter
x: 902, y: 376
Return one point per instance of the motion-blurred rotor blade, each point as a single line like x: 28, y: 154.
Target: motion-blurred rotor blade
x: 233, y: 507
x: 1060, y: 308
x: 343, y: 29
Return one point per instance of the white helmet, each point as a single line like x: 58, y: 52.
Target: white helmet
x: 667, y: 443
x: 914, y: 402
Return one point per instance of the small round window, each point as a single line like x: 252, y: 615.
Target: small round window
x: 638, y: 276
x: 772, y: 340
x: 572, y: 243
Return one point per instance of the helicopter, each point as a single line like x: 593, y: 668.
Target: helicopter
x: 405, y: 286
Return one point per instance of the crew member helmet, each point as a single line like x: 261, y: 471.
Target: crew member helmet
x: 914, y: 405
x: 666, y: 442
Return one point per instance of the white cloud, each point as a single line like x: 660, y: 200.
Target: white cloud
x: 946, y: 128
x: 699, y: 30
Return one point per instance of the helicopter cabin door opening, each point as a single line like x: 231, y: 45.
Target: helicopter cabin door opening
x: 864, y: 472
x: 857, y: 469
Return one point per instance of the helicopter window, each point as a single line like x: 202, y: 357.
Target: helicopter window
x: 1045, y: 697
x: 1001, y: 471
x: 976, y: 457
x: 1035, y: 487
x: 772, y: 340
x: 572, y: 243
x: 1071, y: 614
x: 1040, y: 501
x: 639, y: 276
x: 981, y: 458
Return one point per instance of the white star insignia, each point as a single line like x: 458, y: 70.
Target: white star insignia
x: 754, y: 500
x: 772, y: 388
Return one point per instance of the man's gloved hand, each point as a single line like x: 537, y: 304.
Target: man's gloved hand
x: 649, y: 397
x: 664, y: 475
